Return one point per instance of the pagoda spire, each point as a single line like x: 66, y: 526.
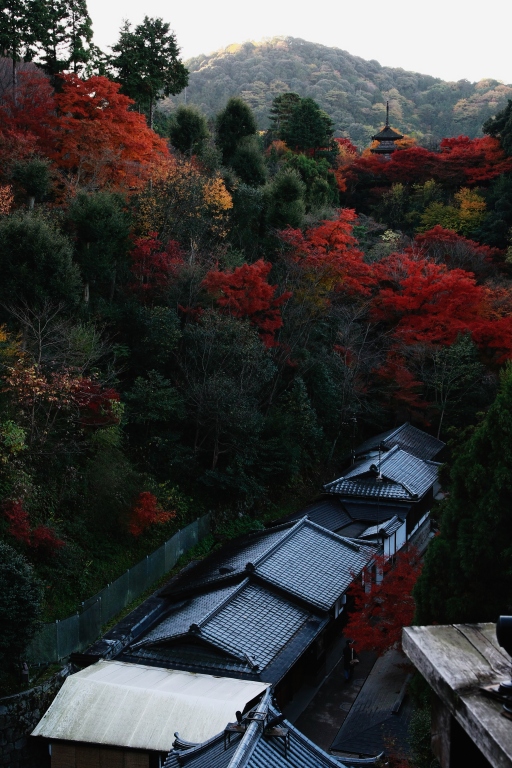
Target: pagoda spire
x: 386, y: 138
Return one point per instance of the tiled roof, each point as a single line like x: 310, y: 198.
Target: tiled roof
x: 312, y: 563
x: 388, y: 527
x: 254, y: 749
x: 326, y: 512
x: 407, y: 437
x: 249, y: 622
x: 404, y: 476
x: 228, y: 561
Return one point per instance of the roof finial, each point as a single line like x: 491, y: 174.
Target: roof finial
x: 387, y: 114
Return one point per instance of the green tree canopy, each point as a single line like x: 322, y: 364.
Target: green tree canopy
x: 147, y: 63
x: 62, y: 33
x: 20, y: 606
x: 467, y: 575
x: 235, y: 122
x: 101, y: 227
x: 188, y: 130
x: 307, y: 127
x: 35, y: 262
x: 500, y: 126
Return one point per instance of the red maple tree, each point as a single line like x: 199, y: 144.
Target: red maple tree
x: 382, y: 610
x: 97, y: 140
x: 245, y: 292
x: 331, y: 252
x: 153, y: 265
x: 147, y: 512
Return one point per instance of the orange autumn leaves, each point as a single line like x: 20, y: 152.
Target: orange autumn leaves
x: 86, y: 129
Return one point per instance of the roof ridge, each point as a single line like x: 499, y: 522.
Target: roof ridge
x: 213, y: 611
x: 278, y: 543
x: 251, y: 737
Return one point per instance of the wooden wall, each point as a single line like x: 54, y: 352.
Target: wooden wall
x: 92, y: 756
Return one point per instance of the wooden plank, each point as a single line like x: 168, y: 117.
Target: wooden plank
x: 136, y: 759
x: 111, y: 758
x: 446, y: 654
x: 63, y: 755
x: 483, y: 638
x: 87, y: 756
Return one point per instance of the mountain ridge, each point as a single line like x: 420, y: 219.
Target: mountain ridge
x: 352, y: 90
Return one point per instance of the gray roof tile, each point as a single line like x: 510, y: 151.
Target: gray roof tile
x: 407, y: 437
x: 314, y: 564
x: 404, y: 476
x: 249, y: 622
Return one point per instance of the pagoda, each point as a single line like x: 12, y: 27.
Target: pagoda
x: 386, y: 139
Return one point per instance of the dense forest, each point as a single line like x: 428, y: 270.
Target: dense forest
x: 351, y: 90
x: 206, y: 317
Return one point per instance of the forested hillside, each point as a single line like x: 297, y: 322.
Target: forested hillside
x: 351, y: 90
x: 205, y: 319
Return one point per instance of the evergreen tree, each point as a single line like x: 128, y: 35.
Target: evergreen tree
x: 15, y: 32
x: 62, y: 32
x: 20, y: 606
x: 307, y: 127
x: 235, y: 122
x: 188, y: 130
x: 281, y: 112
x: 101, y: 227
x: 147, y: 63
x: 467, y: 575
x: 500, y: 126
x: 248, y: 162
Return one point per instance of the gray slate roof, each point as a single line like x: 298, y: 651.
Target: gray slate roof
x: 388, y: 527
x: 313, y: 563
x: 404, y: 477
x: 259, y: 752
x: 407, y: 437
x: 229, y: 561
x: 327, y: 512
x: 248, y: 622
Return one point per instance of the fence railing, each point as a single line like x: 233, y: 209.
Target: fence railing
x: 58, y: 639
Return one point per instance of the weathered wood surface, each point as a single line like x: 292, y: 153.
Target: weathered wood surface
x: 456, y: 660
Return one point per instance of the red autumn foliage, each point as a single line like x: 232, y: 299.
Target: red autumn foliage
x: 98, y: 141
x: 461, y: 162
x: 428, y: 303
x: 147, y: 512
x: 330, y: 250
x: 153, y: 265
x: 380, y: 614
x: 403, y: 390
x: 96, y: 403
x: 445, y: 245
x: 42, y: 539
x: 245, y: 292
x: 26, y: 120
x: 480, y: 160
x: 17, y: 517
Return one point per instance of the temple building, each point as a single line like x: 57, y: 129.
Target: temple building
x: 386, y: 139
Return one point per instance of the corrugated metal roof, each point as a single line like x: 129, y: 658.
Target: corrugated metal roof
x: 141, y: 707
x: 313, y: 564
x: 407, y: 437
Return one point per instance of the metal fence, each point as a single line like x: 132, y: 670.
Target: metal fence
x: 57, y: 640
